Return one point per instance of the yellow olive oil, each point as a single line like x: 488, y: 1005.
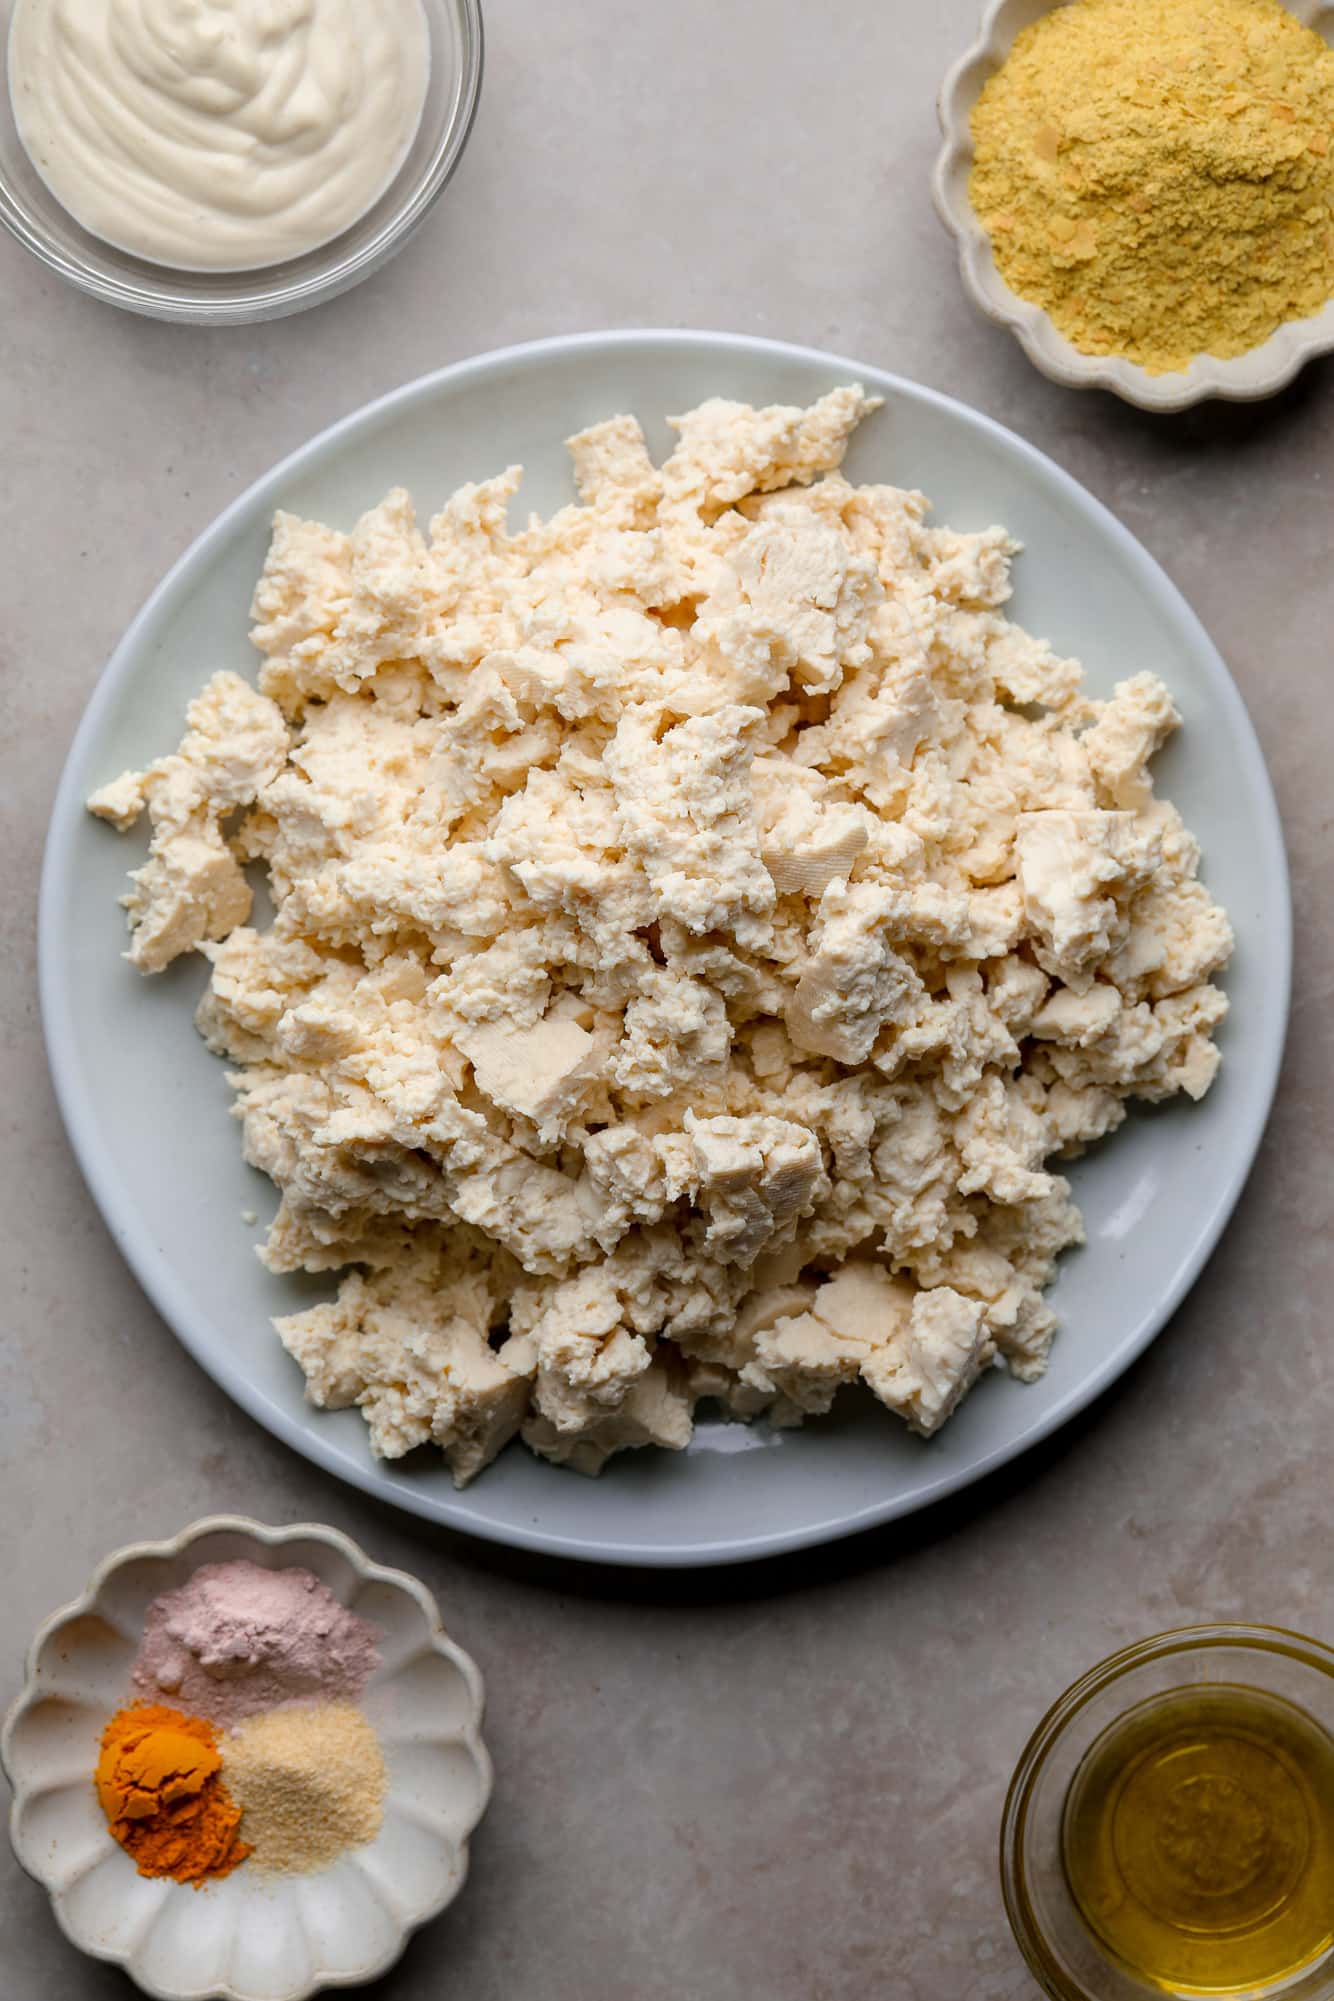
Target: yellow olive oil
x: 1198, y: 1840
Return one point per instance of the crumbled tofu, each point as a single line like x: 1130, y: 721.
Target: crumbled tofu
x: 656, y: 1410
x: 1130, y: 729
x: 935, y: 1359
x: 1076, y: 871
x: 535, y: 1072
x: 863, y: 1304
x: 192, y: 888
x: 409, y: 1345
x: 805, y: 842
x: 854, y: 983
x: 699, y: 919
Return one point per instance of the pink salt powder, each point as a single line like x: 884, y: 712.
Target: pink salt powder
x: 236, y: 1638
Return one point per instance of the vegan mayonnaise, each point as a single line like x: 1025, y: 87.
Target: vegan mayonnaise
x: 218, y: 135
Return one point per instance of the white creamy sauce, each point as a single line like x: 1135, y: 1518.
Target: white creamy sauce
x: 218, y: 135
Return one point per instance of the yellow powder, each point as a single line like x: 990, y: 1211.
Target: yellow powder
x: 311, y: 1782
x: 1159, y: 174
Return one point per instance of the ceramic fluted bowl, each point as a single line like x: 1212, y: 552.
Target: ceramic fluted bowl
x: 1244, y: 378
x: 252, y: 1936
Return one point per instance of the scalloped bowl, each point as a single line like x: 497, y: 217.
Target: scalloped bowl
x: 251, y: 1937
x: 1245, y: 378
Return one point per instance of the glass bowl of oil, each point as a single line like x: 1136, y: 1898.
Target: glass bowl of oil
x: 1170, y: 1827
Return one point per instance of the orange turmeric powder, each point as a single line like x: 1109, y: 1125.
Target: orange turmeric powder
x: 160, y: 1785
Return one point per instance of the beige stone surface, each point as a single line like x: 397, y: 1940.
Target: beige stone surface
x: 783, y: 1783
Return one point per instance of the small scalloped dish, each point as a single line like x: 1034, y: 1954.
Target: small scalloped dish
x: 252, y: 1936
x: 1243, y: 378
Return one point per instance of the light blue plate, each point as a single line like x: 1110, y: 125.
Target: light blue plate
x: 146, y: 1105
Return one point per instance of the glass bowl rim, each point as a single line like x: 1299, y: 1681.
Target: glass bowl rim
x: 1185, y: 1640
x: 253, y: 296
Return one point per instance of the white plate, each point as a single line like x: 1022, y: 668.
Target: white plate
x: 146, y: 1105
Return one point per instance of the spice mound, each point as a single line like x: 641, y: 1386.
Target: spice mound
x: 312, y: 1783
x: 159, y: 1782
x: 237, y: 1638
x: 700, y: 918
x: 297, y: 1780
x: 1158, y: 174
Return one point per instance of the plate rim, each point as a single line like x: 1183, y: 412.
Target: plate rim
x: 171, y: 1301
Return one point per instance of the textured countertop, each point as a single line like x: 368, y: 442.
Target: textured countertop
x: 784, y: 1782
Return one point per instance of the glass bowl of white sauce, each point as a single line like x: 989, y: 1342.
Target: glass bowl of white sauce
x: 32, y: 212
